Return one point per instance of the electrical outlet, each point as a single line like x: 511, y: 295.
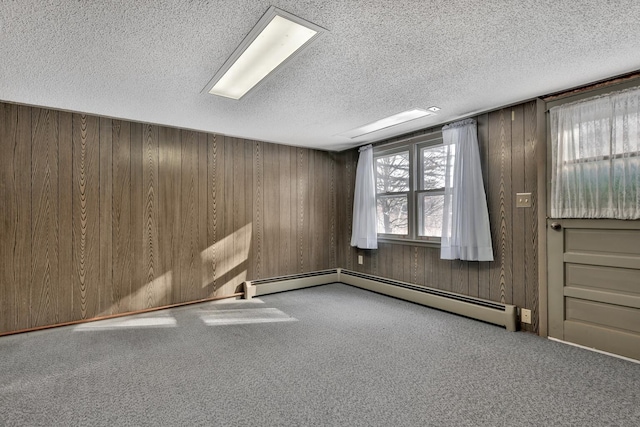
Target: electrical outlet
x: 360, y: 259
x: 525, y: 315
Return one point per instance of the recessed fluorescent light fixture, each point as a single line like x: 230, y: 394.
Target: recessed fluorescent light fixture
x: 387, y: 122
x: 273, y: 41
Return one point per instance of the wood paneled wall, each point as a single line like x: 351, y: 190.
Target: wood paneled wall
x: 102, y: 216
x: 508, y: 141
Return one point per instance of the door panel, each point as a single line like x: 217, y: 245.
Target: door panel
x: 594, y: 284
x: 600, y: 241
x: 605, y: 315
x: 622, y: 280
x: 601, y: 338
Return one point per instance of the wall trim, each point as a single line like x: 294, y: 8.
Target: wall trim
x: 114, y: 316
x: 472, y: 307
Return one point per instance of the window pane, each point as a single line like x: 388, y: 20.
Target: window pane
x: 431, y: 207
x: 434, y: 166
x: 392, y: 214
x: 392, y: 173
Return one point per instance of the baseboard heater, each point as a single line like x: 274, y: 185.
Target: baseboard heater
x: 273, y: 285
x: 475, y: 308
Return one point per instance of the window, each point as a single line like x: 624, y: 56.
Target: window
x: 392, y: 193
x: 433, y: 167
x: 596, y: 157
x: 410, y: 183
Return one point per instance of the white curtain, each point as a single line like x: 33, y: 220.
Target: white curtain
x: 465, y: 226
x: 364, y: 234
x: 596, y: 157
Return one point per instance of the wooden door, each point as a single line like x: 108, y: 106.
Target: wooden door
x: 594, y: 284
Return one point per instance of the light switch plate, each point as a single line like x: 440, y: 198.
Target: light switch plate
x: 523, y: 200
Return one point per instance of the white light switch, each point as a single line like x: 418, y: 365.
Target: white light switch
x: 360, y: 259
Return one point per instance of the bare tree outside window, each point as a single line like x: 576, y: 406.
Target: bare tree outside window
x: 431, y: 199
x: 434, y: 166
x: 432, y: 208
x: 392, y: 186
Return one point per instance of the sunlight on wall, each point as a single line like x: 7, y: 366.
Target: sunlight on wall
x: 226, y: 255
x: 229, y: 286
x: 152, y: 294
x: 223, y: 262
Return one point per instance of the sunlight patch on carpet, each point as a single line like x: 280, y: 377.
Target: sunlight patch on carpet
x: 245, y: 316
x: 155, y: 321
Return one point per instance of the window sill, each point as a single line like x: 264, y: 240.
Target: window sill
x: 410, y: 242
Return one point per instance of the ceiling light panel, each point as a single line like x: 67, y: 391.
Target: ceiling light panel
x: 387, y: 122
x: 275, y: 39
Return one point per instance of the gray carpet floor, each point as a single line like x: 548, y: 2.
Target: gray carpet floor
x: 330, y: 355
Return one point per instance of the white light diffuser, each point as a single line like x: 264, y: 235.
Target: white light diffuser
x: 274, y: 39
x: 387, y: 122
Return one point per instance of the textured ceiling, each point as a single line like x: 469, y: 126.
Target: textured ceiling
x: 149, y: 60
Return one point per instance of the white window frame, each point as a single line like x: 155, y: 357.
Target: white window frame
x: 413, y: 146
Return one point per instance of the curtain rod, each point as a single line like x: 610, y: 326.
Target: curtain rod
x: 603, y: 89
x: 427, y: 133
x: 593, y: 86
